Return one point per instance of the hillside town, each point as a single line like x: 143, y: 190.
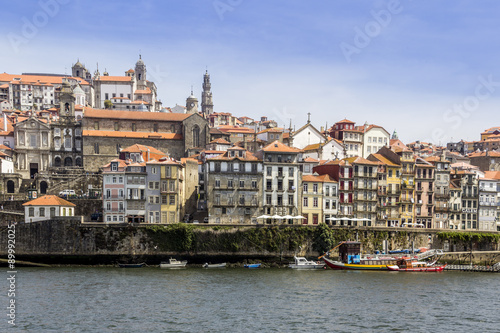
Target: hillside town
x: 109, y: 138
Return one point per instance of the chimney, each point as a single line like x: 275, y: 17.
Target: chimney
x: 148, y: 155
x: 4, y: 122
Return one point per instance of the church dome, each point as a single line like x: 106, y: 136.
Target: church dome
x: 139, y: 62
x: 78, y: 64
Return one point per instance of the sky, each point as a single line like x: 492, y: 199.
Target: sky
x: 427, y: 69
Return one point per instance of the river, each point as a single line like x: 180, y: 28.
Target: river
x: 106, y: 299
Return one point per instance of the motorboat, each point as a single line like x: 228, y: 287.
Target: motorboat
x: 413, y: 265
x: 173, y: 263
x: 303, y: 263
x: 139, y: 265
x: 252, y: 265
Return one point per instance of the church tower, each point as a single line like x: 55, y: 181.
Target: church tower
x: 191, y: 104
x: 140, y: 74
x: 66, y: 102
x: 207, y: 105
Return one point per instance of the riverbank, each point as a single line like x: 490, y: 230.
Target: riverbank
x: 68, y: 241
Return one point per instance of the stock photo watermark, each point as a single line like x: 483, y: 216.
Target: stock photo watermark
x: 223, y: 6
x: 455, y: 115
x: 372, y: 29
x: 31, y: 25
x: 11, y: 274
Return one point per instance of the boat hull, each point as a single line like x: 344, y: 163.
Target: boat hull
x: 417, y: 269
x: 222, y: 265
x: 337, y: 265
x: 252, y: 266
x: 131, y: 265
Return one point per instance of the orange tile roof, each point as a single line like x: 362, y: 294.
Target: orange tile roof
x: 345, y: 120
x: 27, y: 79
x: 492, y: 174
x: 107, y: 78
x: 320, y: 179
x: 143, y: 91
x: 49, y: 200
x: 220, y: 141
x: 141, y: 135
x: 248, y: 156
x: 137, y: 148
x: 277, y: 146
x: 134, y: 115
x: 359, y: 160
x: 311, y: 160
x: 484, y: 154
x: 272, y: 130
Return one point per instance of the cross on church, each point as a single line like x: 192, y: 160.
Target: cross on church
x: 308, y: 117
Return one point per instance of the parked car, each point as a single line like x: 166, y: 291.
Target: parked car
x: 66, y: 193
x: 205, y: 220
x: 196, y: 222
x: 187, y: 218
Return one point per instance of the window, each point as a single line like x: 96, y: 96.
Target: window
x: 116, y: 126
x: 315, y: 188
x: 306, y: 202
x: 290, y: 172
x: 290, y: 200
x: 31, y: 212
x: 315, y: 202
x: 306, y: 187
x: 230, y: 183
x: 242, y: 183
x: 254, y: 184
x: 268, y: 199
x: 96, y: 125
x: 134, y: 127
x: 327, y: 204
x: 217, y: 183
x: 269, y: 171
x: 96, y: 148
x: 171, y: 200
x: 327, y: 191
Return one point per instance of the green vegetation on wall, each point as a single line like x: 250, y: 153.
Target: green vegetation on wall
x: 466, y: 237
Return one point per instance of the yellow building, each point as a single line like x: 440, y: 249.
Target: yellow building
x: 171, y: 190
x: 389, y: 191
x: 316, y: 200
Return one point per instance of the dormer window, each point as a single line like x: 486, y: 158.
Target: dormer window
x: 114, y: 166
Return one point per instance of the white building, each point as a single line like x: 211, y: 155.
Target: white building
x: 374, y: 138
x: 487, y: 204
x: 47, y: 207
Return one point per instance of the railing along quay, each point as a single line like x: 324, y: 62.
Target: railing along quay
x: 474, y: 268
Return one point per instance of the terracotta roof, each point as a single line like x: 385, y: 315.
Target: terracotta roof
x: 345, y: 121
x: 484, y: 154
x: 134, y: 115
x: 277, y: 146
x: 492, y: 174
x: 137, y: 148
x: 320, y: 179
x: 108, y: 78
x: 311, y: 160
x: 359, y: 160
x: 248, y: 156
x: 49, y: 200
x: 141, y: 135
x: 31, y: 79
x: 145, y: 91
x: 235, y: 129
x: 220, y: 141
x: 5, y: 147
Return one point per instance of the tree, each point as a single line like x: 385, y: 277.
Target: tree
x: 108, y: 104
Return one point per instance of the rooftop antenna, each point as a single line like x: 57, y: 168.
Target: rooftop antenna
x: 309, y: 117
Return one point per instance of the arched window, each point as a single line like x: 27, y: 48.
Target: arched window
x: 68, y: 161
x: 57, y: 161
x: 43, y: 187
x: 78, y: 161
x: 196, y: 136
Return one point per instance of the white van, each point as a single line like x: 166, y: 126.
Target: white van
x: 65, y: 193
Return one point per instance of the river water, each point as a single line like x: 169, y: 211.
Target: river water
x: 105, y: 299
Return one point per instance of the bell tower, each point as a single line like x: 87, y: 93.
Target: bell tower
x: 66, y: 101
x: 191, y: 104
x: 140, y: 74
x: 207, y: 105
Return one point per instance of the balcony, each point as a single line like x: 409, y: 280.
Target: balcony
x: 114, y: 197
x: 442, y: 195
x: 114, y: 210
x: 441, y: 208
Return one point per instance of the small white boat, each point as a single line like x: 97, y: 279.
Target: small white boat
x: 303, y: 263
x: 221, y: 265
x: 173, y: 263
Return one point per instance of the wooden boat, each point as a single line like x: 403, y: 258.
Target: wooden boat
x: 252, y: 265
x: 303, y: 263
x: 173, y: 263
x: 221, y: 265
x: 413, y: 265
x: 350, y: 259
x: 142, y: 264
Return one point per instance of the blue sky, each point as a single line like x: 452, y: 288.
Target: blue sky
x: 428, y: 69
